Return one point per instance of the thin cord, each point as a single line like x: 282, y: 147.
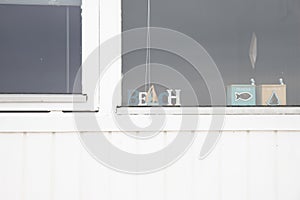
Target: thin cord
x: 68, y: 50
x: 148, y: 55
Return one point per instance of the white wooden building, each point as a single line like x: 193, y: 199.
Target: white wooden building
x: 42, y: 157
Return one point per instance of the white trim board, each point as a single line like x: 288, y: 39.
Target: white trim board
x: 208, y: 110
x: 64, y: 122
x: 42, y: 98
x: 43, y: 2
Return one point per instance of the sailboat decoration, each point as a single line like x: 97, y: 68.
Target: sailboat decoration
x: 151, y: 97
x: 274, y: 100
x: 253, y: 50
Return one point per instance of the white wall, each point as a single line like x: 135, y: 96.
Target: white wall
x: 245, y: 165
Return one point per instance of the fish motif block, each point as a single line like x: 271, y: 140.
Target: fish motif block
x: 241, y: 95
x: 272, y: 95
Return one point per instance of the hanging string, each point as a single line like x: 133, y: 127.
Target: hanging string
x: 148, y: 54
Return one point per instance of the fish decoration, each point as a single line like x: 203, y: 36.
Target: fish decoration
x: 244, y: 96
x: 274, y: 100
x: 253, y: 50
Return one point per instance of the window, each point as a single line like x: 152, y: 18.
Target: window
x: 257, y: 40
x: 41, y: 55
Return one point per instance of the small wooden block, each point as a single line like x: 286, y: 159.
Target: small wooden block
x: 271, y: 95
x: 241, y: 95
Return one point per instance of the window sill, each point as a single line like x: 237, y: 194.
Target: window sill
x: 40, y: 2
x: 208, y: 110
x: 43, y: 98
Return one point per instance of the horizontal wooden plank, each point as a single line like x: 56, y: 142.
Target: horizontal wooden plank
x: 43, y: 2
x: 42, y: 98
x: 208, y: 110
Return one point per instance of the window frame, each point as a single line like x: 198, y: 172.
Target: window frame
x: 88, y: 99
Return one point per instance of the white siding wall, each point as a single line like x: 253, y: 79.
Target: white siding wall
x: 54, y: 166
x: 244, y: 165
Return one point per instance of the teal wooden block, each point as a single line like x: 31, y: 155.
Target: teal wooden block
x: 241, y: 95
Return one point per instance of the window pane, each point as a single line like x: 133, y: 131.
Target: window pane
x: 34, y: 51
x: 225, y: 29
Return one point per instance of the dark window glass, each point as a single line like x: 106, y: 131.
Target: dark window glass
x: 40, y: 48
x: 224, y: 28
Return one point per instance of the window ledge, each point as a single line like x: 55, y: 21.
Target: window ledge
x: 208, y: 110
x: 43, y: 98
x: 40, y: 2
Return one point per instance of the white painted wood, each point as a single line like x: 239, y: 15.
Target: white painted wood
x: 288, y: 165
x: 37, y: 166
x: 208, y: 110
x: 43, y: 2
x: 152, y: 186
x: 124, y: 184
x: 43, y: 98
x: 234, y: 165
x: 244, y: 165
x: 94, y: 177
x: 64, y: 122
x: 12, y: 166
x: 190, y: 178
x: 111, y: 76
x: 262, y: 172
x: 208, y: 179
x: 67, y: 167
x: 90, y: 45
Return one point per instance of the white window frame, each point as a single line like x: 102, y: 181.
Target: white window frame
x: 89, y: 99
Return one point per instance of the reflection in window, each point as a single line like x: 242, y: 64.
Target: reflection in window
x: 255, y: 45
x: 40, y: 49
